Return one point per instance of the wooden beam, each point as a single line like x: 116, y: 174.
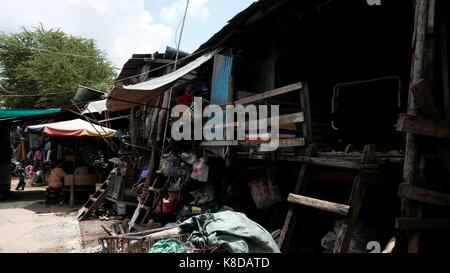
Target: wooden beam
x: 417, y: 72
x: 294, y: 142
x: 219, y: 143
x: 284, y: 143
x: 332, y: 163
x: 422, y: 224
x: 342, y: 244
x: 305, y: 105
x: 293, y: 158
x: 284, y: 119
x: 319, y: 204
x: 444, y: 65
x: 424, y: 195
x: 424, y: 98
x: 431, y: 16
x: 300, y: 188
x: 269, y: 94
x: 423, y: 126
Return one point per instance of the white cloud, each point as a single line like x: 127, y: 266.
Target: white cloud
x: 197, y: 8
x: 121, y: 27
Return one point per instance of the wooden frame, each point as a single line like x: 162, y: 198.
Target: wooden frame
x: 319, y: 204
x: 423, y: 126
x: 424, y: 195
x: 299, y: 117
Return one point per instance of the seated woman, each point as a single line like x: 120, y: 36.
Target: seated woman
x: 30, y: 172
x: 55, y: 183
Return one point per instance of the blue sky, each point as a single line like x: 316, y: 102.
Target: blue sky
x: 198, y: 27
x: 124, y: 27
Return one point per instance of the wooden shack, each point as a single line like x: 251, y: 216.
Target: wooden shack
x: 364, y: 111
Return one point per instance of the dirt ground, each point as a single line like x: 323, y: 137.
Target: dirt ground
x: 27, y: 224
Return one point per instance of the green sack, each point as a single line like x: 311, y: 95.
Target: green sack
x: 168, y: 246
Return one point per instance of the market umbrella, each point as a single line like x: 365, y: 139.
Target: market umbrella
x: 72, y: 128
x: 75, y: 127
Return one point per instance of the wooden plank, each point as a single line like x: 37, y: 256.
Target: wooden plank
x: 271, y: 147
x: 424, y: 195
x: 284, y: 119
x: 444, y: 65
x: 290, y: 118
x: 356, y: 197
x: 319, y: 204
x: 390, y: 245
x: 422, y: 224
x: 423, y: 126
x: 295, y: 142
x: 417, y: 72
x: 431, y: 16
x: 332, y: 163
x: 219, y: 143
x: 300, y: 188
x: 304, y: 102
x: 271, y: 93
x: 293, y: 158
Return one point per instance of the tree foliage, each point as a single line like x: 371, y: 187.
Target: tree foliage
x: 43, y: 62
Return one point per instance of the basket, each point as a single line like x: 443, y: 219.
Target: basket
x: 143, y: 244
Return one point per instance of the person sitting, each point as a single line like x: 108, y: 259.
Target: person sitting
x: 30, y: 172
x: 55, y: 183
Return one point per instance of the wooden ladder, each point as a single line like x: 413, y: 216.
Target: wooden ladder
x: 351, y: 210
x: 143, y: 211
x: 96, y: 199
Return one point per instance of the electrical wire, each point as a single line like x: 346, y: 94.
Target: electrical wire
x: 174, y: 68
x: 34, y: 95
x: 176, y: 33
x: 75, y: 55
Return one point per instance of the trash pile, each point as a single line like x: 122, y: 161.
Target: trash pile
x: 222, y: 232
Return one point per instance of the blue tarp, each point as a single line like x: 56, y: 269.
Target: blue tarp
x: 17, y: 113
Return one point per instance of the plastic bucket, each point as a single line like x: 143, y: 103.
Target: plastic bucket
x: 84, y: 94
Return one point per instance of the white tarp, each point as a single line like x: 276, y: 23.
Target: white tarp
x: 95, y: 107
x: 124, y: 97
x: 171, y: 77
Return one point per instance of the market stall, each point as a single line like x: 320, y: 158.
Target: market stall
x: 76, y: 128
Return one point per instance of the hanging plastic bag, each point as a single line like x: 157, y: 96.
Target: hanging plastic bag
x: 264, y: 189
x: 200, y: 170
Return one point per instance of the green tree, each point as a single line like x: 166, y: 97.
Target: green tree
x: 44, y: 62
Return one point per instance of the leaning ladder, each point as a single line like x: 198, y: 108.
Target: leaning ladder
x: 96, y: 199
x: 365, y: 167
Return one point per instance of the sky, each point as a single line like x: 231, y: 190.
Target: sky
x: 124, y: 27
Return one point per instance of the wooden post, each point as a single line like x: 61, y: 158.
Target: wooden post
x: 417, y: 72
x: 227, y: 150
x: 72, y: 186
x: 444, y: 60
x: 304, y: 101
